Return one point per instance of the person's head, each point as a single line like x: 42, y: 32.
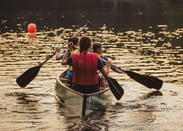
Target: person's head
x: 97, y: 47
x: 85, y: 44
x: 74, y: 40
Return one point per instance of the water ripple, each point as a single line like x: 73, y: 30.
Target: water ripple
x: 34, y: 108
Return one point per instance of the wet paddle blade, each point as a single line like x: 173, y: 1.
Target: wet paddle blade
x: 24, y: 79
x: 148, y: 81
x: 116, y: 89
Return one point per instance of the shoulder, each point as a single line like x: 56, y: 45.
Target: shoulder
x: 105, y: 57
x: 94, y: 54
x: 74, y: 54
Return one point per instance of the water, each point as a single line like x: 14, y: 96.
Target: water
x: 119, y: 15
x: 154, y: 48
x: 34, y: 107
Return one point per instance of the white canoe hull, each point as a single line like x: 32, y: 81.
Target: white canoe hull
x: 83, y: 104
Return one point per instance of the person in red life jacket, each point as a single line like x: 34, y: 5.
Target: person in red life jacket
x: 85, y: 66
x: 98, y: 49
x: 59, y: 55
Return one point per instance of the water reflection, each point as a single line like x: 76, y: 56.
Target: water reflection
x: 151, y: 94
x: 116, y: 14
x: 95, y: 121
x: 143, y: 119
x: 145, y: 52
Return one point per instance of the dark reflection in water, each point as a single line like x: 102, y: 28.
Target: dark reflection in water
x: 152, y: 94
x: 35, y: 108
x: 135, y: 38
x: 119, y: 15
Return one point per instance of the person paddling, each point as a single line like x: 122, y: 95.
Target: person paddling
x: 98, y: 49
x: 59, y: 55
x: 85, y: 66
x: 74, y: 41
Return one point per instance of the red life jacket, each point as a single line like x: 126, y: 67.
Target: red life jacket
x: 85, y: 69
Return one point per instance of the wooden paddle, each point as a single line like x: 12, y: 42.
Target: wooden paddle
x: 115, y: 88
x: 24, y: 79
x: 148, y: 81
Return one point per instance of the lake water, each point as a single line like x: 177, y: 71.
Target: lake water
x: 154, y: 48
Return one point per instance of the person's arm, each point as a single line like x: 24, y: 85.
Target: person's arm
x: 107, y: 66
x: 106, y: 63
x: 66, y: 55
x: 102, y: 69
x: 104, y: 73
x: 64, y: 59
x: 57, y: 54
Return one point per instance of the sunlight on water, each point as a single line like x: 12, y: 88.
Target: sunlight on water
x: 34, y: 108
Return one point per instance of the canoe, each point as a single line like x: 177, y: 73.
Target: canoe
x: 80, y: 103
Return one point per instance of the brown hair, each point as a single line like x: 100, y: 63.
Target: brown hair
x: 96, y: 45
x: 74, y: 40
x: 85, y: 43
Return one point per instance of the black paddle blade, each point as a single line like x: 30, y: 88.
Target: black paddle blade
x: 116, y: 89
x: 24, y: 79
x: 148, y: 81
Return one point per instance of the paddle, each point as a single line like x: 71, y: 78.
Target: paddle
x: 24, y: 79
x: 148, y: 81
x: 115, y: 88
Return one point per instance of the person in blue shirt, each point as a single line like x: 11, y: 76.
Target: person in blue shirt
x: 59, y: 55
x: 85, y: 66
x: 98, y: 49
x: 74, y: 41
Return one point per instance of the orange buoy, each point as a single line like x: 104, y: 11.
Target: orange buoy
x: 31, y: 28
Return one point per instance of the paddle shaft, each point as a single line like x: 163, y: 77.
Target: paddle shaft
x: 148, y: 81
x: 115, y: 68
x: 25, y: 78
x: 49, y: 57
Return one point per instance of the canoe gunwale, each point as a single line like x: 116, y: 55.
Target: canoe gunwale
x: 88, y: 102
x: 76, y: 92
